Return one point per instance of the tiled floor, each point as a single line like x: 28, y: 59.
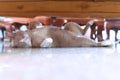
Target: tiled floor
x: 60, y: 63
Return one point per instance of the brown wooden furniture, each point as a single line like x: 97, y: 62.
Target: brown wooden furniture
x: 63, y: 8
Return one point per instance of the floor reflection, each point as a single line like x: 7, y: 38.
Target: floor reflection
x: 101, y: 63
x: 4, y: 48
